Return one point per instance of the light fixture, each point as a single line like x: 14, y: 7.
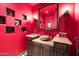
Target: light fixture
x: 35, y: 19
x: 46, y: 12
x: 66, y: 13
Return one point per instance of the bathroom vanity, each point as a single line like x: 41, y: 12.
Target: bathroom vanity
x: 58, y: 46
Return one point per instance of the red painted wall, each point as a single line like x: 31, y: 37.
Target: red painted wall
x: 67, y: 23
x: 77, y: 17
x: 77, y: 20
x: 15, y: 43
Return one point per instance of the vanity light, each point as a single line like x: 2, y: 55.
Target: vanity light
x: 35, y: 19
x: 66, y: 13
x: 46, y: 12
x: 66, y: 10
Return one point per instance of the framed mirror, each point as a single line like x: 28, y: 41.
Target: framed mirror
x: 48, y: 17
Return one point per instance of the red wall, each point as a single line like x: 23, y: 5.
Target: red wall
x: 15, y: 43
x: 67, y: 23
x: 77, y: 17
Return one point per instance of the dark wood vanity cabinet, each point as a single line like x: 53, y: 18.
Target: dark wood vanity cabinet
x: 42, y: 50
x: 36, y: 49
x: 45, y: 50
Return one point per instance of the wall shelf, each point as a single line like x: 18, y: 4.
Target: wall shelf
x: 17, y: 22
x: 24, y: 17
x: 10, y: 12
x: 9, y: 30
x: 2, y: 20
x: 23, y: 29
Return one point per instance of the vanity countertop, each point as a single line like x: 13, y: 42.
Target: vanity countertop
x: 38, y: 40
x: 64, y: 40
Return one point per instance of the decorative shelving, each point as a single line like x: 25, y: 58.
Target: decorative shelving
x: 24, y: 17
x: 10, y: 12
x: 9, y: 30
x: 17, y: 22
x: 23, y: 29
x: 2, y: 20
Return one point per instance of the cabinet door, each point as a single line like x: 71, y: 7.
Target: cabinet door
x: 60, y: 49
x: 52, y: 51
x: 30, y: 47
x: 46, y: 50
x: 59, y: 52
x: 36, y: 49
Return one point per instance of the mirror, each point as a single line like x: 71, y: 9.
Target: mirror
x: 48, y: 17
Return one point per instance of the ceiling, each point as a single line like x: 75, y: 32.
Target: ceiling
x: 33, y: 4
